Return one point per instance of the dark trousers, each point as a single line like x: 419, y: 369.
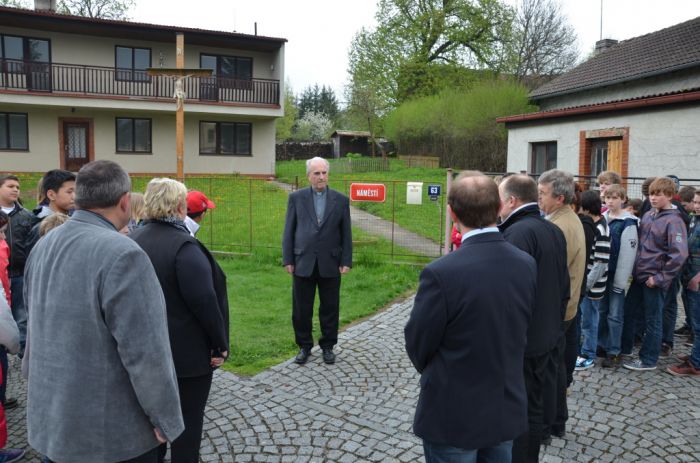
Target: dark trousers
x: 4, y: 365
x: 555, y: 401
x: 573, y: 346
x: 194, y: 393
x: 149, y: 457
x: 539, y: 371
x: 303, y: 295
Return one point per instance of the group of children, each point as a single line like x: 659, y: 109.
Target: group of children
x: 642, y: 252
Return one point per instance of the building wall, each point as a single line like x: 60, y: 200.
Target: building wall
x: 100, y: 51
x: 661, y: 142
x: 45, y: 153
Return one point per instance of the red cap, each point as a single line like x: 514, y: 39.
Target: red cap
x: 198, y: 202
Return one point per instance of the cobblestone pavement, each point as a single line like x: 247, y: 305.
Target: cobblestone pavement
x: 361, y: 409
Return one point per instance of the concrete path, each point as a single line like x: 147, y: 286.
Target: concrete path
x: 361, y: 409
x: 415, y: 243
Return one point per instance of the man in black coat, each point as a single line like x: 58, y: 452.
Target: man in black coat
x: 466, y: 334
x: 316, y: 251
x: 524, y: 227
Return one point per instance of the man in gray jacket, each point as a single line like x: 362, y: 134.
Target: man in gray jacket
x: 102, y: 385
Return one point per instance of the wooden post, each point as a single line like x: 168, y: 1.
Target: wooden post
x: 180, y: 113
x: 448, y: 220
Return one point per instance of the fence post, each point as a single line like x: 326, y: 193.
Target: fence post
x: 393, y: 217
x: 448, y: 229
x: 250, y: 214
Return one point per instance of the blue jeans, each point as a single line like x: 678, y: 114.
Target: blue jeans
x: 501, y: 453
x: 670, y: 311
x: 612, y: 317
x: 589, y: 326
x: 653, y: 302
x: 686, y: 307
x: 19, y: 310
x: 632, y: 316
x: 693, y: 301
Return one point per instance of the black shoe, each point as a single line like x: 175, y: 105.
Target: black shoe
x: 560, y: 433
x: 303, y: 356
x: 612, y: 361
x: 547, y: 440
x: 328, y: 356
x: 10, y: 403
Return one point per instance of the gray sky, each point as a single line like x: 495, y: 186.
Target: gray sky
x: 319, y: 32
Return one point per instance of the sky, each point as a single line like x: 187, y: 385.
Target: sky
x: 319, y: 32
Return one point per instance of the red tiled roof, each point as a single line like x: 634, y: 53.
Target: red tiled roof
x: 674, y: 48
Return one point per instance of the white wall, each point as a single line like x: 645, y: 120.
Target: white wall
x: 45, y: 153
x: 661, y: 142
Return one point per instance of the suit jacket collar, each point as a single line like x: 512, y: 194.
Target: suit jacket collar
x: 93, y: 218
x: 480, y: 239
x: 529, y: 210
x: 331, y: 197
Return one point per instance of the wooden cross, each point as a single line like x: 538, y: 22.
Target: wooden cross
x: 180, y: 73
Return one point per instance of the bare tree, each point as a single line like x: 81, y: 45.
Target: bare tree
x: 105, y: 9
x: 15, y: 3
x: 543, y: 42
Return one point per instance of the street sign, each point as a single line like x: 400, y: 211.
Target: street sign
x: 373, y: 192
x: 434, y: 190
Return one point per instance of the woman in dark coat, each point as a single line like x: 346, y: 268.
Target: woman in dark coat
x: 194, y: 287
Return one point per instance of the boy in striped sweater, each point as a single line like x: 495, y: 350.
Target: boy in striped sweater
x: 596, y: 280
x: 623, y: 251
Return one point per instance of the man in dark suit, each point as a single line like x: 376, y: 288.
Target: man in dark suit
x: 525, y: 228
x: 317, y: 250
x: 467, y: 333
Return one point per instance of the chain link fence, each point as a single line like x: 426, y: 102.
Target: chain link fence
x: 250, y: 213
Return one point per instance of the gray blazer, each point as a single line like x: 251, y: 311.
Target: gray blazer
x: 100, y: 370
x: 305, y: 241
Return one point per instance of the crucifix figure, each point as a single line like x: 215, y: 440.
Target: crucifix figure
x: 180, y: 73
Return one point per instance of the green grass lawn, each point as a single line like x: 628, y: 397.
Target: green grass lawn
x: 261, y: 307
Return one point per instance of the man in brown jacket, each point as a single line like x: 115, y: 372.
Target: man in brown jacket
x: 555, y: 194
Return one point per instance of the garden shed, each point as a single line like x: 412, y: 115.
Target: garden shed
x: 346, y: 141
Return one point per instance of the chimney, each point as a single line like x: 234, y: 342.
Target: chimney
x: 45, y: 6
x: 602, y: 45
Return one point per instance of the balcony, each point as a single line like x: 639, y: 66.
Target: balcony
x: 75, y: 80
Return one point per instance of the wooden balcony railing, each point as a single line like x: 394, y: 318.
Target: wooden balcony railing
x: 96, y: 80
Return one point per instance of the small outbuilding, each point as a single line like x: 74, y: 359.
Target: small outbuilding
x: 347, y: 141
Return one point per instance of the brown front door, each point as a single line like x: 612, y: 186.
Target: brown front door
x: 76, y: 139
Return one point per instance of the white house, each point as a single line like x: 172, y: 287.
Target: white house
x: 75, y: 89
x: 633, y: 108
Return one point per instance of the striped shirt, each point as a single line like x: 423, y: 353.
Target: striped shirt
x: 598, y: 261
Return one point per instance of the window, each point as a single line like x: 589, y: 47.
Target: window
x: 131, y: 63
x: 599, y: 157
x: 15, y: 51
x: 231, y: 71
x: 544, y: 157
x: 133, y: 135
x: 32, y: 57
x: 225, y: 138
x: 13, y: 131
